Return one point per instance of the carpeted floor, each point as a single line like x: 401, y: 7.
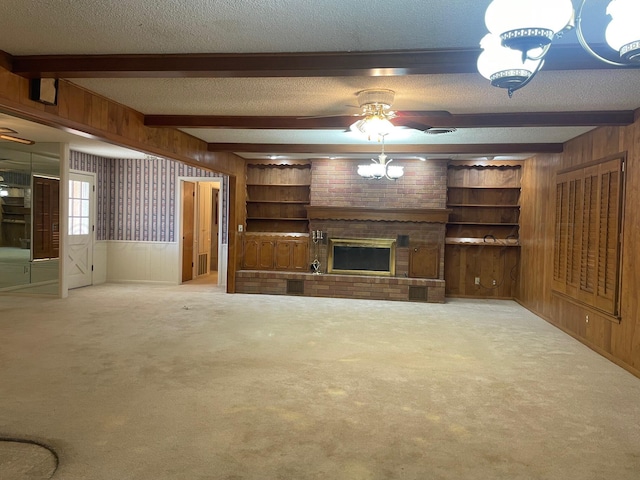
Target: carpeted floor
x: 186, y: 382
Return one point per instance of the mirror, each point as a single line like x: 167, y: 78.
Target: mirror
x: 29, y: 218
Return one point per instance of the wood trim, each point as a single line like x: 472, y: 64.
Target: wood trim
x: 80, y: 111
x: 420, y: 120
x: 278, y: 162
x: 622, y: 156
x: 486, y: 163
x: 379, y: 214
x: 592, y: 346
x: 297, y: 64
x: 6, y: 60
x: 422, y: 149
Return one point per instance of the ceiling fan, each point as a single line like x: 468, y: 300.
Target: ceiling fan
x: 376, y: 115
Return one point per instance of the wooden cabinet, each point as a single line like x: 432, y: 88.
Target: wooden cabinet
x: 274, y: 252
x: 277, y: 196
x: 482, y: 236
x: 424, y: 261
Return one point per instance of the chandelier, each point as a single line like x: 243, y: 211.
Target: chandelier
x: 380, y: 168
x: 521, y: 33
x: 376, y: 110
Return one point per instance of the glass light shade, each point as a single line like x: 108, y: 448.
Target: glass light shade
x: 624, y: 28
x: 373, y: 126
x: 365, y: 171
x: 496, y: 59
x: 395, y: 171
x: 378, y: 170
x: 4, y: 193
x: 506, y: 15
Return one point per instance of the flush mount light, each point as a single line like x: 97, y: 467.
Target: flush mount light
x: 520, y: 35
x: 11, y: 138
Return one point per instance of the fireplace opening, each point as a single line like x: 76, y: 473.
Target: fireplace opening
x: 370, y: 256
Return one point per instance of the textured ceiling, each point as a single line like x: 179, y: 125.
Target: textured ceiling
x: 263, y: 26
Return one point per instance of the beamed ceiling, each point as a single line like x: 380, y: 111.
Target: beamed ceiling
x: 278, y: 77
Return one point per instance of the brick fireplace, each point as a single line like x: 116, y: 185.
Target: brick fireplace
x: 409, y: 212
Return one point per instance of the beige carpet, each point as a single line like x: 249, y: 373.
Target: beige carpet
x: 186, y: 382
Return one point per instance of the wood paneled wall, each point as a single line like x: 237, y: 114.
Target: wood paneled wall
x: 80, y: 110
x: 620, y: 342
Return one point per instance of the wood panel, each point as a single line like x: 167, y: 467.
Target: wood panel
x: 264, y: 251
x: 495, y: 267
x: 618, y: 341
x: 424, y: 261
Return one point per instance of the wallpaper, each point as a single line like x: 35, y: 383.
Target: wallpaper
x: 137, y: 198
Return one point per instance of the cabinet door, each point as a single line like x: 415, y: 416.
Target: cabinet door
x: 250, y: 254
x: 300, y: 256
x: 424, y: 261
x: 266, y: 254
x: 284, y: 249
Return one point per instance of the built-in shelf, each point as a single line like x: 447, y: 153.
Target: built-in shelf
x: 279, y: 219
x: 277, y: 196
x: 300, y: 202
x: 479, y: 205
x: 499, y: 242
x: 484, y: 223
x: 491, y: 187
x: 277, y: 184
x: 485, y: 212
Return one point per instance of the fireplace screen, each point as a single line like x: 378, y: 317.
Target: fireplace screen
x: 371, y: 256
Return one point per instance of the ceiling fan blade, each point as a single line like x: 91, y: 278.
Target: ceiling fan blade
x: 331, y: 116
x: 409, y: 123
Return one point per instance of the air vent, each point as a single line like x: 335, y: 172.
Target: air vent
x: 295, y: 287
x: 440, y: 130
x: 418, y: 294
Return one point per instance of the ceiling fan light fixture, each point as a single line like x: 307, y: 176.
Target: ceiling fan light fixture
x: 373, y: 126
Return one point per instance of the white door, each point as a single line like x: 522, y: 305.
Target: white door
x: 81, y: 230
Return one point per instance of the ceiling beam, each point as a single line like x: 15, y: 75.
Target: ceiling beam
x: 302, y: 64
x: 341, y: 149
x: 415, y: 119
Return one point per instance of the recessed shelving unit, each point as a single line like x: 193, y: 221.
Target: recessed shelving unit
x: 484, y: 201
x: 277, y: 196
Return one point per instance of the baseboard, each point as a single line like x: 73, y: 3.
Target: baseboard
x: 632, y: 370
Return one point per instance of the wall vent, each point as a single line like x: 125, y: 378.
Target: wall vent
x: 295, y: 287
x: 203, y: 259
x: 418, y: 294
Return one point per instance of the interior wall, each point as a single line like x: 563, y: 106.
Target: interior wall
x: 336, y: 183
x: 619, y: 341
x: 136, y: 211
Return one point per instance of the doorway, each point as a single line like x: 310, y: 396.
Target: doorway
x: 201, y: 250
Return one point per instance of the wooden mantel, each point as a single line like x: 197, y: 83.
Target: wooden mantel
x: 418, y: 215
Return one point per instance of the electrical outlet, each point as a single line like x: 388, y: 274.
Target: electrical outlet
x: 240, y: 228
x: 477, y: 281
x: 586, y: 318
x: 494, y: 283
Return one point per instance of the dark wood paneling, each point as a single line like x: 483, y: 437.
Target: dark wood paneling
x: 620, y: 342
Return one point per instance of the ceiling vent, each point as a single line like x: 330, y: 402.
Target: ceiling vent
x: 440, y: 130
